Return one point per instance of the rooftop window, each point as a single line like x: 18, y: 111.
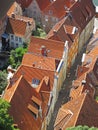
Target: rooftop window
x: 35, y: 82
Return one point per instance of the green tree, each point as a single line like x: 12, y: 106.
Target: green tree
x: 6, y: 122
x: 39, y: 32
x: 3, y: 81
x: 82, y: 128
x: 16, y: 56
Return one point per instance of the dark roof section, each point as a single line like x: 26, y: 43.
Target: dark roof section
x: 4, y: 7
x: 84, y: 14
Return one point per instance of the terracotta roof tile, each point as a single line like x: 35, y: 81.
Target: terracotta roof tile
x: 37, y: 61
x: 61, y: 11
x: 62, y: 117
x: 25, y: 19
x: 63, y: 31
x: 16, y: 27
x: 22, y: 93
x: 36, y: 100
x: 30, y: 73
x: 80, y: 9
x: 83, y: 108
x: 43, y: 4
x: 12, y: 9
x: 50, y: 45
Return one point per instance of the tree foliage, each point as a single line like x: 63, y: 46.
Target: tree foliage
x: 39, y: 32
x: 16, y: 56
x: 3, y: 81
x: 6, y: 122
x: 82, y: 128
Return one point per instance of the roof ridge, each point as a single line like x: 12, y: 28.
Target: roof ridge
x: 84, y: 97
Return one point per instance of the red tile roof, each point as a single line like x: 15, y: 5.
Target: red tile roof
x: 61, y: 11
x: 83, y: 111
x: 16, y: 27
x: 37, y: 61
x: 31, y: 72
x: 64, y: 30
x: 41, y: 3
x: 12, y: 9
x: 50, y: 45
x: 85, y: 11
x: 22, y: 98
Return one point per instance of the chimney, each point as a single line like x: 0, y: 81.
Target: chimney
x: 43, y: 50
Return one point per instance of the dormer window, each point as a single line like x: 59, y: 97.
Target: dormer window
x: 35, y: 82
x: 36, y: 102
x: 33, y: 110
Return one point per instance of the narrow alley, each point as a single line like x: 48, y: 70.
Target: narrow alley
x: 64, y: 93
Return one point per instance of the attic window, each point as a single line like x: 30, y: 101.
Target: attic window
x: 35, y: 82
x: 33, y: 110
x: 36, y: 102
x: 50, y: 11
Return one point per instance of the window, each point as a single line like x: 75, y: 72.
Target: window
x: 17, y: 45
x: 35, y: 82
x: 16, y: 38
x: 46, y: 18
x: 20, y: 40
x: 36, y: 102
x: 34, y: 13
x: 12, y: 43
x: 12, y: 37
x: 34, y: 7
x: 50, y: 11
x: 33, y: 110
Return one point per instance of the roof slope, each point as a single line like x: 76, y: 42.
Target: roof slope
x: 51, y: 47
x: 21, y: 96
x: 37, y: 61
x: 16, y: 27
x: 31, y: 72
x: 85, y: 11
x: 65, y: 29
x: 61, y: 11
x: 83, y: 111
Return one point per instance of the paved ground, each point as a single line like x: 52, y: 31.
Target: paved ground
x: 64, y: 93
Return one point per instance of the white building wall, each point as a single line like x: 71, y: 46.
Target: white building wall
x: 15, y: 41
